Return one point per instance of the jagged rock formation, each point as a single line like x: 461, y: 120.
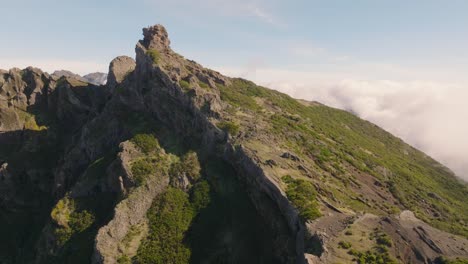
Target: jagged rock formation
x: 290, y: 181
x: 119, y: 68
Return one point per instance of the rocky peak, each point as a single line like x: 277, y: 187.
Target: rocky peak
x: 156, y: 37
x: 119, y: 68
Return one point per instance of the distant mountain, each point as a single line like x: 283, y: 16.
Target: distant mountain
x: 96, y: 78
x: 66, y: 73
x: 171, y: 162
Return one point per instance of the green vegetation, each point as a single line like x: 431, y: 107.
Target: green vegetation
x: 124, y: 260
x: 30, y: 121
x: 344, y: 245
x: 204, y: 85
x: 141, y: 169
x: 169, y: 218
x: 147, y: 165
x: 443, y: 260
x: 302, y: 194
x: 184, y: 85
x: 372, y: 257
x: 384, y: 240
x: 188, y: 166
x: 241, y: 93
x: 343, y: 145
x: 146, y: 142
x: 229, y: 127
x: 200, y: 195
x: 154, y: 55
x: 69, y: 220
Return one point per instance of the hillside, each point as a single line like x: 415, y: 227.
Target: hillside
x: 170, y: 162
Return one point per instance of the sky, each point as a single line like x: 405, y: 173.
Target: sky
x: 400, y: 64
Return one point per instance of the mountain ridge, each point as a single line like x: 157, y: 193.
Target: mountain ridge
x: 275, y: 147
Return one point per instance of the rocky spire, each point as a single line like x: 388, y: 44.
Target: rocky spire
x: 156, y: 37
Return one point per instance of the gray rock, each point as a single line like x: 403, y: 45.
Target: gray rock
x: 119, y: 68
x: 156, y: 37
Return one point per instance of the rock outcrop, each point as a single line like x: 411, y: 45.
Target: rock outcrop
x: 119, y: 68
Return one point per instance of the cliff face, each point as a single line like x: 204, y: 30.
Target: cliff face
x: 290, y: 182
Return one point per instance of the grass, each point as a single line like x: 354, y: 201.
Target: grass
x: 241, y: 94
x: 203, y: 85
x: 184, y: 85
x: 302, y: 194
x: 229, y: 127
x: 344, y: 245
x: 154, y: 55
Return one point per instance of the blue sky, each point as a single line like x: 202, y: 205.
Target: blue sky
x: 307, y: 35
x: 400, y: 64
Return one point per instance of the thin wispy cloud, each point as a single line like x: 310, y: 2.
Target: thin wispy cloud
x: 233, y: 8
x: 260, y: 12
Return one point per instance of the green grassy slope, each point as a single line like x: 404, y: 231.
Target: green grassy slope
x: 342, y: 145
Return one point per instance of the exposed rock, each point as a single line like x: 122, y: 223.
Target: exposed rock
x: 129, y: 213
x: 64, y: 73
x: 287, y: 155
x: 156, y: 37
x: 119, y: 68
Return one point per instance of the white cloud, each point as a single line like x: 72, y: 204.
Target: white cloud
x: 262, y: 14
x: 50, y: 65
x: 431, y: 116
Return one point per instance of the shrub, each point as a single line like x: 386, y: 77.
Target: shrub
x: 141, y: 169
x: 384, y: 239
x: 371, y: 257
x: 146, y: 142
x: 443, y: 260
x: 184, y: 84
x: 302, y: 194
x: 344, y: 245
x: 348, y: 233
x: 191, y: 165
x: 229, y: 127
x: 200, y: 195
x: 154, y: 55
x: 80, y: 221
x: 169, y: 218
x: 124, y: 260
x: 62, y: 211
x: 69, y: 221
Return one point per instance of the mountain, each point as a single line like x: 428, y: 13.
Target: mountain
x: 170, y: 162
x: 96, y: 78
